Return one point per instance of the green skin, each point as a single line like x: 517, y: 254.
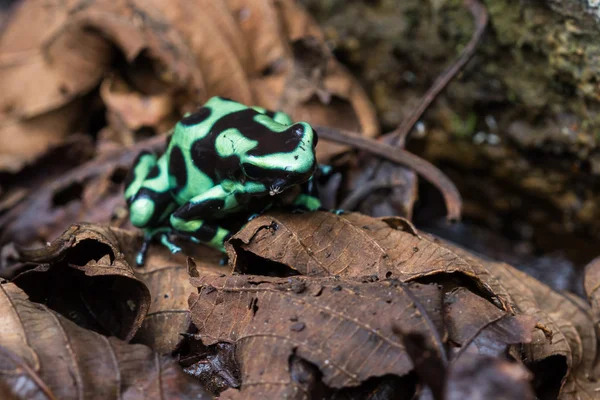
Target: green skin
x: 219, y: 161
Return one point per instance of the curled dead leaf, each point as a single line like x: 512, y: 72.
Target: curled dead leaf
x: 350, y: 245
x: 344, y: 328
x: 84, y: 275
x: 193, y: 49
x: 135, y: 110
x: 564, y: 348
x: 92, y: 192
x: 44, y: 355
x: 166, y: 276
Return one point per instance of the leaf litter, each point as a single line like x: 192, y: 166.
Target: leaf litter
x: 45, y: 356
x: 311, y: 305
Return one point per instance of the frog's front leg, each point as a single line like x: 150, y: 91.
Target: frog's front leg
x: 308, y: 199
x: 190, y: 219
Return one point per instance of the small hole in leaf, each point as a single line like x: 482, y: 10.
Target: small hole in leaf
x: 388, y: 274
x: 68, y: 194
x: 255, y: 306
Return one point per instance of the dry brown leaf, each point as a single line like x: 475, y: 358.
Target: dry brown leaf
x: 151, y: 303
x: 474, y: 324
x: 45, y: 356
x: 135, y: 110
x: 84, y: 276
x: 353, y: 245
x: 195, y: 50
x: 168, y: 281
x: 65, y: 60
x: 45, y: 42
x: 323, y: 244
x: 344, y: 328
x: 564, y: 350
x: 68, y: 55
x: 91, y: 193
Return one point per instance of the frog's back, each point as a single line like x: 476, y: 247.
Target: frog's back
x: 194, y: 164
x: 210, y: 146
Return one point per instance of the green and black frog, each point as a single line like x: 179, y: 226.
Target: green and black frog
x: 225, y: 159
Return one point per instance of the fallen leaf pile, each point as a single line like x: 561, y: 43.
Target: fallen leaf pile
x: 310, y: 306
x: 46, y: 356
x: 303, y: 316
x: 148, y: 62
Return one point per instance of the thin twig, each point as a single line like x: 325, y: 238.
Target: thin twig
x: 398, y: 136
x: 465, y: 345
x: 480, y: 17
x: 400, y: 156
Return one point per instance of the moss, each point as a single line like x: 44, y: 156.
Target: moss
x: 464, y: 128
x: 535, y: 73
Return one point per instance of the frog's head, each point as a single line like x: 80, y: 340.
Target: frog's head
x: 284, y: 159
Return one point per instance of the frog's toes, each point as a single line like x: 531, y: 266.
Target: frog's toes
x: 140, y: 258
x: 193, y: 239
x: 337, y: 211
x: 253, y: 216
x: 173, y: 248
x: 325, y: 170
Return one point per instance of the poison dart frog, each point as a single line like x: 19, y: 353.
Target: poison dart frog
x: 223, y: 159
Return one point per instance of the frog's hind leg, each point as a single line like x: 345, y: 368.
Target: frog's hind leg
x: 148, y: 195
x: 148, y: 191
